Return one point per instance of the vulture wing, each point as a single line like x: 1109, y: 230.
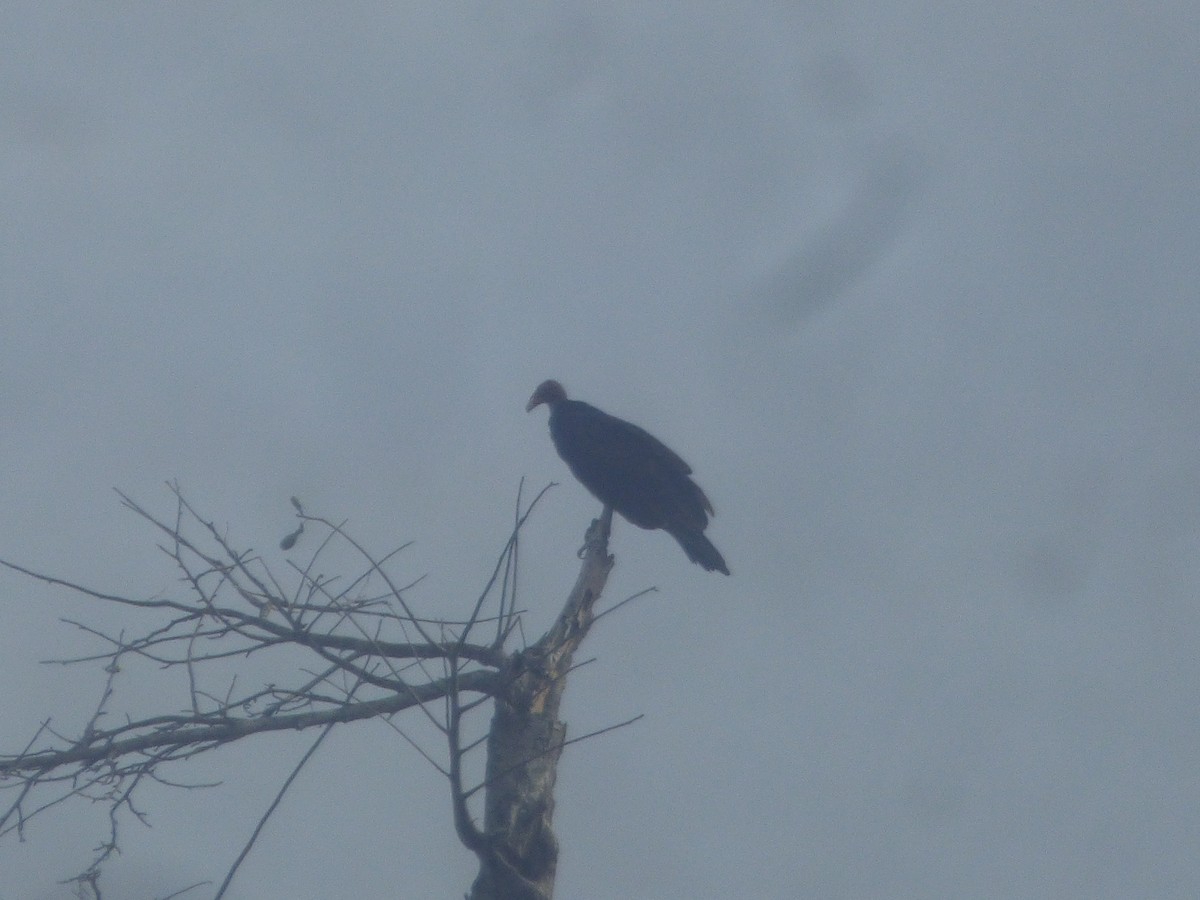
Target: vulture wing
x: 628, y: 468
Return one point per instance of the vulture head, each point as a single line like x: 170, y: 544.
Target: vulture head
x: 548, y: 392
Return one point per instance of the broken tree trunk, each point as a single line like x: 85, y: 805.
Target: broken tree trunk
x: 517, y: 850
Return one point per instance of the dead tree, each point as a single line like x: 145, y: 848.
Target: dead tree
x: 359, y: 651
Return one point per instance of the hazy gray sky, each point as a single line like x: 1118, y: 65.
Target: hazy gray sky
x: 912, y: 287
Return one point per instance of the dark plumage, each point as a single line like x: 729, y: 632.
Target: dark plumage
x: 630, y: 470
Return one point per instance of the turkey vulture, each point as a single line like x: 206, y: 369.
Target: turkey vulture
x: 631, y: 471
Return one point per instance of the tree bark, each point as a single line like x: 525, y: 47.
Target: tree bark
x: 518, y: 852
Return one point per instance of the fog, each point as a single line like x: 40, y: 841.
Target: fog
x: 912, y: 287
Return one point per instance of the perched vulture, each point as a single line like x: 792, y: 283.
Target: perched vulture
x: 630, y: 470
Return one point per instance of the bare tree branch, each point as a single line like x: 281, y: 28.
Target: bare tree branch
x: 345, y: 649
x: 275, y: 803
x: 183, y: 733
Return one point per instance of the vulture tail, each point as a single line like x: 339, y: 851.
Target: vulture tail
x: 700, y: 550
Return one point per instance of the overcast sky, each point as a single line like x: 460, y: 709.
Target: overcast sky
x: 911, y: 286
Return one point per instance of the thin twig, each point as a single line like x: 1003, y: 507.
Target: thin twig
x: 275, y: 803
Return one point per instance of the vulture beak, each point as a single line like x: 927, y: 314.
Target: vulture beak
x: 548, y: 392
